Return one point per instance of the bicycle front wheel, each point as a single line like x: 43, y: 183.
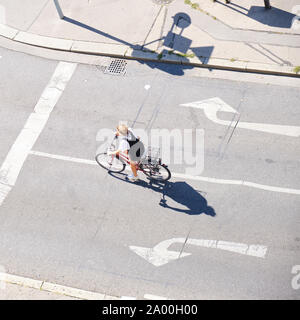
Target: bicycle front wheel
x: 110, y: 163
x: 158, y: 172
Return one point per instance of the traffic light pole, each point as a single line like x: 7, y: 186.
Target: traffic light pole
x: 58, y: 8
x: 267, y: 4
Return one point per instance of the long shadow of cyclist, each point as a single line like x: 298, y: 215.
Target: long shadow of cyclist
x: 180, y: 192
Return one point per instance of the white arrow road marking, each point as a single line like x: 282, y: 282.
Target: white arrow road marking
x: 160, y: 255
x: 13, y: 163
x: 214, y: 105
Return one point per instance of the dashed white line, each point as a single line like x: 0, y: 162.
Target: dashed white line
x: 36, y: 122
x: 65, y: 158
x: 182, y: 176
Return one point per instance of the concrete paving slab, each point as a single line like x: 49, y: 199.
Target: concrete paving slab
x: 99, y: 48
x: 42, y: 41
x: 269, y: 68
x: 16, y: 292
x: 140, y: 54
x: 8, y: 32
x: 115, y: 22
x: 21, y: 14
x: 244, y: 14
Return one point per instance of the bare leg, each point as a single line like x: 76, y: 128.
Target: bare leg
x: 133, y: 168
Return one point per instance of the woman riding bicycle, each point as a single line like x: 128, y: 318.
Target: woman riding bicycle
x: 130, y: 145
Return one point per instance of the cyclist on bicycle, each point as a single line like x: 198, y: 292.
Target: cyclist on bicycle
x: 130, y: 145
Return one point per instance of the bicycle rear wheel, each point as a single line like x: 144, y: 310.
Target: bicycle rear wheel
x: 158, y: 172
x: 110, y: 163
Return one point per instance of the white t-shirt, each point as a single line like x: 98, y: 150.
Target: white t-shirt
x: 124, y: 145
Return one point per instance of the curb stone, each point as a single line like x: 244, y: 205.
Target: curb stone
x: 98, y: 48
x: 8, y: 32
x: 123, y: 51
x: 43, y: 286
x: 55, y: 288
x: 42, y: 41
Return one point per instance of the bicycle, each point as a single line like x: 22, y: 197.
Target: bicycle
x: 150, y: 164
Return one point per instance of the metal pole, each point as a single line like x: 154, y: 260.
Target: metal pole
x: 58, y: 8
x: 267, y: 4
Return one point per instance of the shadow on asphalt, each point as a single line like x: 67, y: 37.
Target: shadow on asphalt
x: 180, y: 192
x: 173, y: 69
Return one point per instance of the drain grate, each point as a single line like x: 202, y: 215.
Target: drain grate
x: 116, y: 67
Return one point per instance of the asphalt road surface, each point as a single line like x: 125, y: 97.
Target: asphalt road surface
x: 70, y: 222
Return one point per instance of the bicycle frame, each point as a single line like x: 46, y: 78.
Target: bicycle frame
x: 124, y: 156
x: 126, y: 159
x: 150, y: 163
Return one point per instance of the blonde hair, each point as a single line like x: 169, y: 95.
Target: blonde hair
x: 123, y: 129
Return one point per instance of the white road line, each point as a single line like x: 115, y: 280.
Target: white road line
x: 35, y: 124
x: 254, y: 250
x: 181, y: 176
x: 238, y: 182
x: 65, y: 158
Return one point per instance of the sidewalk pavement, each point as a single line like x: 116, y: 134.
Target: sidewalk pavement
x: 14, y: 287
x: 242, y: 35
x: 16, y: 292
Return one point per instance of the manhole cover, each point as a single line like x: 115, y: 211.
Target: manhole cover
x: 116, y: 67
x: 162, y: 1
